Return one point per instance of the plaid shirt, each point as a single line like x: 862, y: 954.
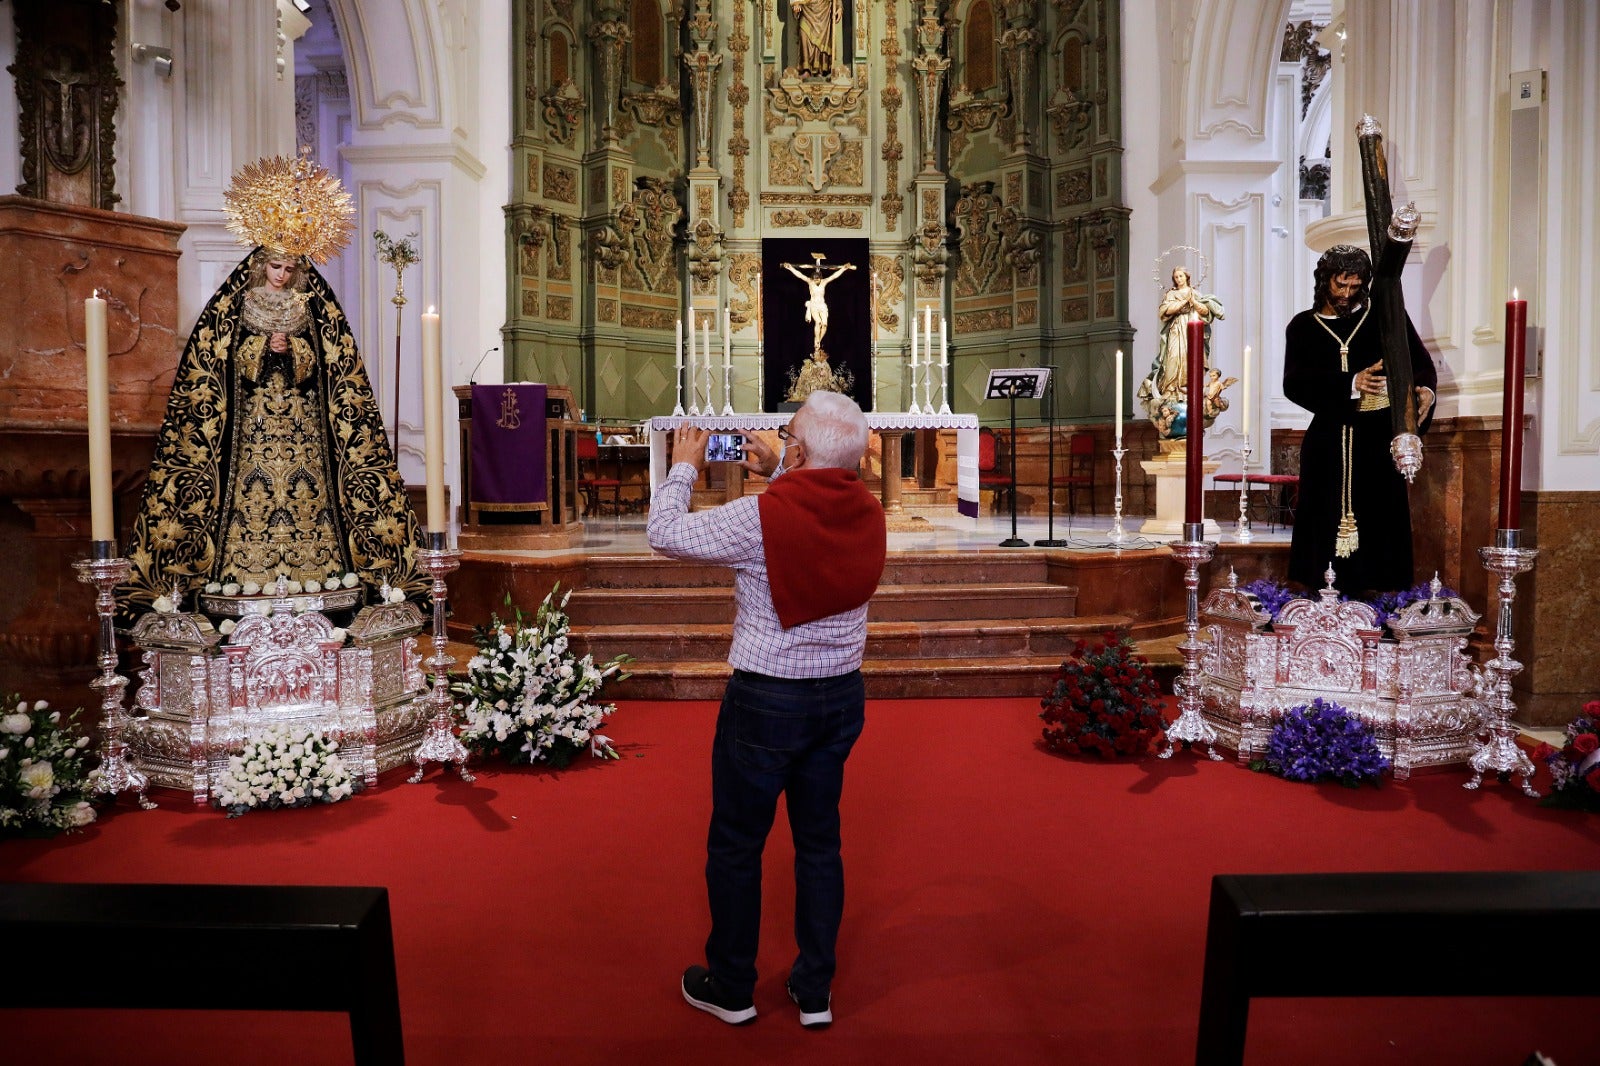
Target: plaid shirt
x: 731, y: 536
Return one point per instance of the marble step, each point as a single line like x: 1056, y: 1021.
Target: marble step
x: 901, y: 568
x: 942, y: 639
x: 892, y: 603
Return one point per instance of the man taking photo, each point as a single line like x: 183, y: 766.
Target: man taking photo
x: 807, y: 555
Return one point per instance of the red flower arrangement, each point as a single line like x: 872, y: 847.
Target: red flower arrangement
x: 1575, y: 766
x: 1104, y: 702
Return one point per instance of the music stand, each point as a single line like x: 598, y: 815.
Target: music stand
x: 1014, y: 385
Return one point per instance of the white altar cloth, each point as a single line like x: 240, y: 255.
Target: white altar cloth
x: 966, y: 427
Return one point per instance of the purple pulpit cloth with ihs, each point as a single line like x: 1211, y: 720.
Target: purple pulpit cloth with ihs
x: 508, y: 446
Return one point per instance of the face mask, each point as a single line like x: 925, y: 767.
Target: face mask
x: 783, y: 451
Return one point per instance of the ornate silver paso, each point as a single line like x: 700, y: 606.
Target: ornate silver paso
x: 1191, y: 727
x: 116, y: 774
x: 1499, y: 752
x: 440, y: 743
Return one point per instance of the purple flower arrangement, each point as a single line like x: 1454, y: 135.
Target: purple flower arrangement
x: 1320, y: 741
x: 1274, y: 596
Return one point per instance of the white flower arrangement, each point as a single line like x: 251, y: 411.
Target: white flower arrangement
x: 528, y: 698
x: 284, y: 766
x: 44, y: 778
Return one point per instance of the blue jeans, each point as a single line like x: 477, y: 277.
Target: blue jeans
x: 779, y: 735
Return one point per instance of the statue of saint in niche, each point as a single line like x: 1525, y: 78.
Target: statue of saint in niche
x: 815, y: 23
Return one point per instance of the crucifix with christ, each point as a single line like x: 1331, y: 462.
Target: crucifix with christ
x: 817, y: 302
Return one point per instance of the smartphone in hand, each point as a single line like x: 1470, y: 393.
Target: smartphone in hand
x: 725, y: 448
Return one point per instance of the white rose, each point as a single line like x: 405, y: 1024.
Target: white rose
x: 349, y: 581
x: 163, y: 605
x: 227, y: 626
x: 37, y: 778
x: 213, y: 587
x: 292, y: 587
x: 250, y: 588
x: 16, y: 724
x: 397, y: 595
x: 231, y: 589
x: 338, y: 634
x: 313, y: 586
x: 79, y: 814
x: 42, y: 705
x: 5, y: 753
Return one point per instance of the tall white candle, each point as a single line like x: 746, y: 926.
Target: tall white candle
x: 927, y: 331
x: 433, y: 419
x: 677, y: 346
x: 1244, y: 400
x: 727, y: 339
x: 1116, y: 397
x: 98, y: 387
x: 705, y: 352
x: 944, y: 346
x: 913, y: 338
x: 689, y: 378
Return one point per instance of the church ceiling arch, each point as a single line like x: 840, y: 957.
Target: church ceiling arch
x: 395, y: 51
x: 1230, y: 68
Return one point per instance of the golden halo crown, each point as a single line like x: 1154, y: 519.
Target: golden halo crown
x: 290, y: 205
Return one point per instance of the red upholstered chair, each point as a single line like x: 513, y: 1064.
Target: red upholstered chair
x: 1080, y: 472
x: 1283, y: 495
x: 992, y: 474
x: 590, y: 480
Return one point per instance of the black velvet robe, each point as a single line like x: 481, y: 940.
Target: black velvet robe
x: 1312, y: 378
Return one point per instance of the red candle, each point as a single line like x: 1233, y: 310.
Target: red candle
x: 1511, y: 414
x: 1193, y: 475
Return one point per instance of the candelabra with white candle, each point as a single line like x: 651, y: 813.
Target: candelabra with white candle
x: 437, y: 560
x: 914, y: 408
x: 944, y: 367
x: 677, y: 368
x: 1244, y: 535
x: 727, y: 361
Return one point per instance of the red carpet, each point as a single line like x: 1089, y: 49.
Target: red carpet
x: 1004, y: 906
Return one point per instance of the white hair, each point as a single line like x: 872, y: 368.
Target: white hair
x: 836, y: 431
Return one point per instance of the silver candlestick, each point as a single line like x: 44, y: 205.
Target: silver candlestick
x: 1191, y: 726
x: 677, y: 408
x: 727, y: 388
x: 1499, y: 752
x: 116, y: 774
x: 1118, y: 535
x: 915, y: 408
x: 1244, y: 536
x: 440, y: 743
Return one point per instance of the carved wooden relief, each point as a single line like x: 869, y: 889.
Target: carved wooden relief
x: 891, y: 277
x: 67, y: 85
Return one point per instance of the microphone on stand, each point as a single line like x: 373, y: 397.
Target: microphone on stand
x: 473, y: 378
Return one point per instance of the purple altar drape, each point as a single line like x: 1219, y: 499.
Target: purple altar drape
x: 508, y: 446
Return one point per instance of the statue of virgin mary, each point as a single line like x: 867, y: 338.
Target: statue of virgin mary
x: 272, y: 459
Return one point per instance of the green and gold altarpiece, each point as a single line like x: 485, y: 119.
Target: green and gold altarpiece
x: 977, y: 145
